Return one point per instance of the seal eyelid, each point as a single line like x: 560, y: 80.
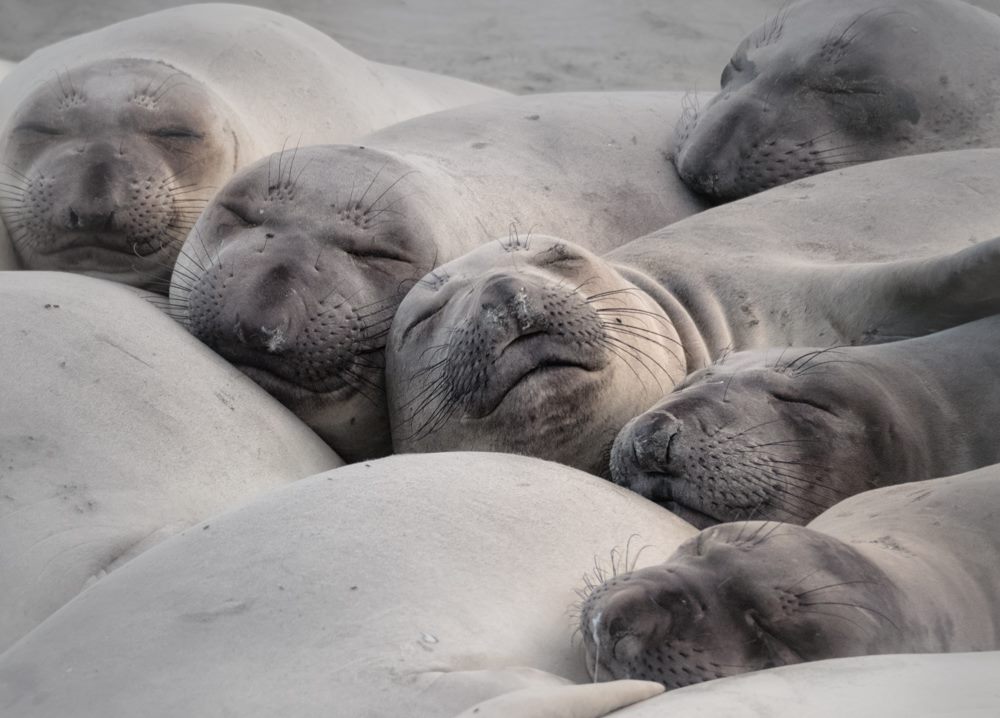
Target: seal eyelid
x: 177, y: 133
x: 800, y: 400
x: 238, y: 214
x: 373, y: 254
x: 772, y: 645
x: 555, y: 254
x: 839, y: 85
x: 38, y: 128
x: 420, y: 320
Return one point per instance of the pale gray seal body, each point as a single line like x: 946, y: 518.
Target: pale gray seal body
x: 785, y: 434
x: 543, y: 348
x: 113, y: 141
x: 297, y: 265
x: 117, y: 430
x: 828, y: 84
x: 369, y: 588
x: 904, y: 569
x: 961, y: 685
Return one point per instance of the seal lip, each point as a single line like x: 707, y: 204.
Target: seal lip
x: 528, y: 358
x: 97, y: 255
x: 539, y: 372
x: 286, y: 391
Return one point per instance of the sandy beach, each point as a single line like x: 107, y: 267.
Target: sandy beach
x: 517, y: 45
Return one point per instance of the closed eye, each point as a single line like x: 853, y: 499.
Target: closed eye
x: 373, y: 253
x: 176, y: 133
x: 38, y: 128
x: 557, y: 255
x: 841, y: 86
x: 800, y: 400
x: 236, y: 212
x: 420, y: 320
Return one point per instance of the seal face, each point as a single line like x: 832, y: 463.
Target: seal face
x: 296, y: 285
x: 782, y: 441
x: 108, y: 165
x: 823, y: 86
x: 738, y: 598
x: 531, y: 346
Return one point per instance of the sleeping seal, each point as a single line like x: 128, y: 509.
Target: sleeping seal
x: 828, y: 84
x: 541, y: 347
x: 368, y: 588
x: 911, y: 568
x: 113, y: 141
x: 785, y: 434
x: 295, y: 269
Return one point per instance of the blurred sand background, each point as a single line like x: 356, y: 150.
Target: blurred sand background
x: 518, y: 45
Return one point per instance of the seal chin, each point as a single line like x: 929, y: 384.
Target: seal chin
x: 692, y: 516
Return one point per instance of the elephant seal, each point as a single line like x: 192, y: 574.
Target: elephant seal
x: 117, y: 430
x: 544, y: 348
x: 899, y: 686
x: 324, y: 593
x: 591, y: 700
x: 113, y: 141
x: 296, y: 267
x: 911, y: 568
x: 784, y: 435
x: 824, y: 85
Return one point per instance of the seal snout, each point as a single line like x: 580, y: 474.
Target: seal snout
x: 634, y: 616
x: 652, y: 439
x: 260, y: 321
x: 512, y: 305
x: 643, y: 453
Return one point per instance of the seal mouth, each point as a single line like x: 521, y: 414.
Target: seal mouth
x: 100, y: 253
x: 529, y: 359
x: 659, y: 488
x: 288, y: 392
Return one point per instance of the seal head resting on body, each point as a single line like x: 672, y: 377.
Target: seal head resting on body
x: 903, y: 569
x: 824, y: 85
x: 527, y: 332
x: 296, y: 284
x: 541, y: 347
x: 109, y: 165
x: 785, y: 434
x: 313, y: 248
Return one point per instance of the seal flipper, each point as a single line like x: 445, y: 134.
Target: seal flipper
x: 590, y: 700
x: 911, y: 298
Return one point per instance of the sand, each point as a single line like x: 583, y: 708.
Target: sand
x: 518, y: 45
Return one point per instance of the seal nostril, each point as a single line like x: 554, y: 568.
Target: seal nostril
x: 617, y: 627
x: 651, y: 446
x: 74, y: 219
